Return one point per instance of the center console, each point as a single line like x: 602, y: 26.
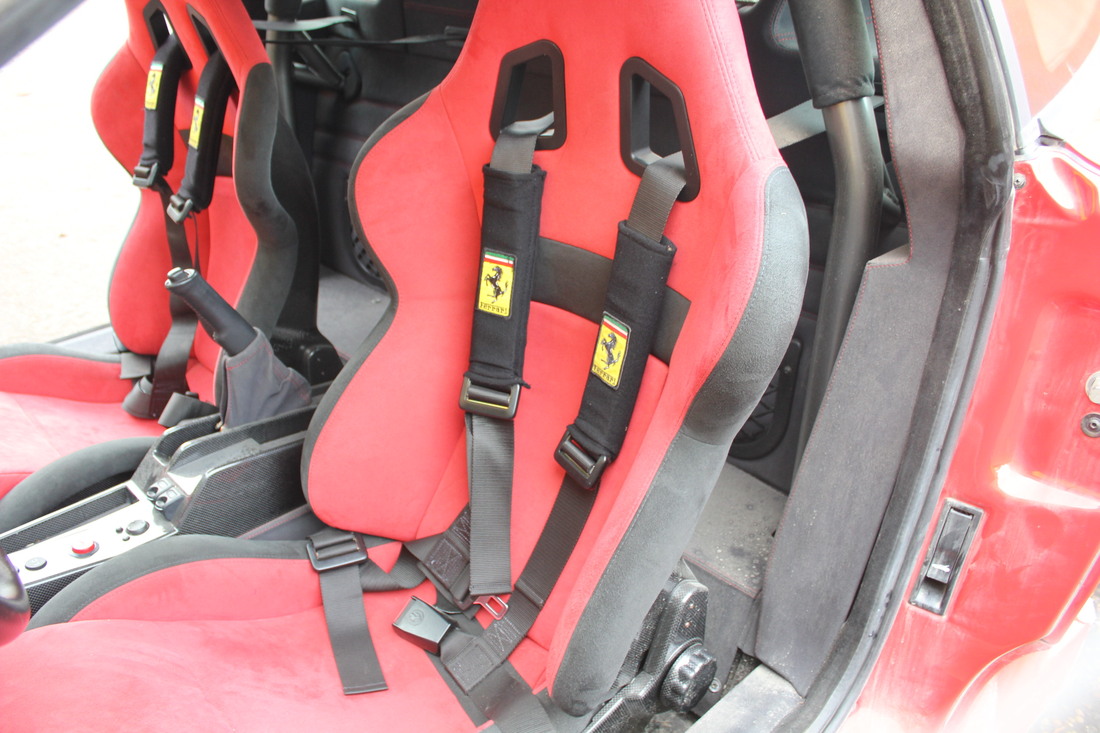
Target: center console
x: 195, y: 479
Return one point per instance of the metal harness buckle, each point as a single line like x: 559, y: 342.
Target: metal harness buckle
x: 487, y: 401
x: 495, y: 605
x: 581, y: 467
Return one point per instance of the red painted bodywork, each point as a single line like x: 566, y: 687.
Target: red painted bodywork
x: 1023, y: 459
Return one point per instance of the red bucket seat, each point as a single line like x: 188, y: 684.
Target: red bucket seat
x: 207, y: 633
x: 55, y: 400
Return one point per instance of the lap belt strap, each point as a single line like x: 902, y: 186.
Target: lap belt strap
x: 149, y: 397
x: 643, y: 258
x: 204, y: 139
x: 340, y: 558
x: 490, y: 389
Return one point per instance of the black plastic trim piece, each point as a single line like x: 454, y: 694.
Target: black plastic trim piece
x: 513, y: 69
x: 202, y: 28
x: 943, y: 564
x: 637, y: 80
x: 156, y: 22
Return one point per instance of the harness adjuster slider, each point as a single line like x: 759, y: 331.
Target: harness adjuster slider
x: 179, y: 208
x: 337, y: 551
x: 495, y: 605
x: 581, y: 467
x: 145, y: 175
x: 487, y: 401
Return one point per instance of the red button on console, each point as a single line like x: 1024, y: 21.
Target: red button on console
x: 84, y: 547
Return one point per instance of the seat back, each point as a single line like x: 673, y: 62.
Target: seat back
x: 387, y: 454
x: 261, y: 224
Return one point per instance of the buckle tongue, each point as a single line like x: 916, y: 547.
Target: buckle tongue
x: 495, y: 605
x: 581, y: 467
x: 336, y: 551
x: 487, y: 401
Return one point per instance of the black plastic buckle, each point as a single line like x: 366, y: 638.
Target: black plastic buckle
x: 144, y: 175
x: 337, y: 551
x: 581, y: 467
x: 489, y: 402
x: 179, y: 208
x: 423, y: 624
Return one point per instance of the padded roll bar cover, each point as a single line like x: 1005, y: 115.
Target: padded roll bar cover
x: 836, y: 51
x: 358, y: 472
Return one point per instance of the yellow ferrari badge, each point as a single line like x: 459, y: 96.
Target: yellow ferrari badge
x: 196, y: 123
x: 495, y: 286
x: 611, y: 344
x: 152, y: 86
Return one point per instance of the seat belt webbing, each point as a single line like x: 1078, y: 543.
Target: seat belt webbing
x: 801, y: 122
x: 345, y: 570
x: 490, y: 393
x: 635, y: 293
x: 346, y: 619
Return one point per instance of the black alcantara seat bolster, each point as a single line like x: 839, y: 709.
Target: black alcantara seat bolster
x: 151, y: 558
x: 54, y: 484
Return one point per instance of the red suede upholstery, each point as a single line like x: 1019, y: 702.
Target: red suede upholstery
x: 76, y: 401
x: 80, y: 407
x: 241, y: 643
x: 268, y: 668
x: 430, y: 170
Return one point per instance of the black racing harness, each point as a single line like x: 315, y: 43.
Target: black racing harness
x: 160, y: 378
x: 469, y: 564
